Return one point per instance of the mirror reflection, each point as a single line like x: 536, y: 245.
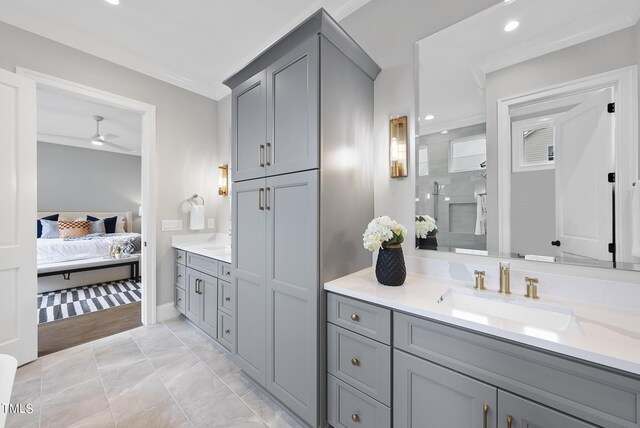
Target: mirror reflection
x: 527, y: 133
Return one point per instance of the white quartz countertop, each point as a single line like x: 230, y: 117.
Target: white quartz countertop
x: 601, y: 334
x: 212, y: 250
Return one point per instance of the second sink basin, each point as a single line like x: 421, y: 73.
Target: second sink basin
x: 534, y: 315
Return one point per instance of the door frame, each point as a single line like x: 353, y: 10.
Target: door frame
x: 624, y: 83
x: 149, y: 191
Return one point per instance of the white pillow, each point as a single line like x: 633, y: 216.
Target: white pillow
x: 120, y: 224
x: 50, y: 229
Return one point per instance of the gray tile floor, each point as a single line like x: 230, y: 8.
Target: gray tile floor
x: 166, y: 375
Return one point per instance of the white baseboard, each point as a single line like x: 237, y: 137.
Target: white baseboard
x: 166, y: 312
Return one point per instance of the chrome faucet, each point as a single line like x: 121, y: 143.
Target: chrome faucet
x: 505, y: 273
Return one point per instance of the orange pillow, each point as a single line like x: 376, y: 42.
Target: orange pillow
x: 72, y: 229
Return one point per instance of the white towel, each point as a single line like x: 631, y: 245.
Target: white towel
x: 481, y: 215
x: 197, y: 217
x: 635, y: 221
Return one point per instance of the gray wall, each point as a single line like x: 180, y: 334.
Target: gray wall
x: 223, y: 213
x: 79, y: 179
x: 186, y: 128
x: 533, y: 212
x: 615, y: 50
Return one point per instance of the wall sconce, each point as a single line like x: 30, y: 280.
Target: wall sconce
x: 398, y: 136
x: 223, y: 180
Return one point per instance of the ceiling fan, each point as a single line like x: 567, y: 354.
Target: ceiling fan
x: 97, y: 139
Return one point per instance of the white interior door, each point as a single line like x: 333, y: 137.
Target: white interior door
x: 18, y: 278
x: 584, y: 157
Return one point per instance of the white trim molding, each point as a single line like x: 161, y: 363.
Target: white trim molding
x: 624, y: 83
x: 149, y: 191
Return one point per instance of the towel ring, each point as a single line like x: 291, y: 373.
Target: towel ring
x: 194, y: 198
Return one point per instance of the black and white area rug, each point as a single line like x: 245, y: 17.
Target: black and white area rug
x: 77, y: 301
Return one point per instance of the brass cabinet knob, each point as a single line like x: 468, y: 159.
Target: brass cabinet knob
x: 227, y: 332
x: 355, y: 417
x: 227, y: 299
x: 355, y: 317
x: 179, y: 276
x: 355, y: 362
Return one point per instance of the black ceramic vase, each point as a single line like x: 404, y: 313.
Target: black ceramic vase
x: 428, y: 243
x: 390, y: 268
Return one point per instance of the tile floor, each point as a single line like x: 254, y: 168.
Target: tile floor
x: 166, y: 375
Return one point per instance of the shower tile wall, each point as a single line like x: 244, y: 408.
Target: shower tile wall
x: 456, y: 217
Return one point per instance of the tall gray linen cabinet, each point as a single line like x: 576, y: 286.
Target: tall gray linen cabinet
x: 302, y: 195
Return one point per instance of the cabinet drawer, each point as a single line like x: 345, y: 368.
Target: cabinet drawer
x: 180, y: 256
x: 226, y: 297
x: 179, y: 296
x: 359, y: 361
x: 364, y: 318
x: 181, y: 275
x: 524, y: 413
x: 226, y: 333
x: 597, y: 395
x: 224, y: 271
x: 349, y: 408
x: 202, y: 264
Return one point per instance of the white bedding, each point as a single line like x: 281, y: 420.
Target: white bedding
x: 59, y: 250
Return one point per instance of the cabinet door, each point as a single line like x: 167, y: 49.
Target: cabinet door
x: 249, y: 129
x: 430, y: 396
x: 516, y: 412
x: 293, y: 287
x: 192, y: 305
x: 249, y: 280
x: 292, y: 110
x: 209, y: 305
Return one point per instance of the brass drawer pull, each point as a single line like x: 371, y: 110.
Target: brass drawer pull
x: 355, y: 317
x: 355, y: 362
x: 268, y: 150
x: 261, y: 156
x: 355, y: 417
x: 485, y: 411
x: 509, y: 421
x: 260, y: 197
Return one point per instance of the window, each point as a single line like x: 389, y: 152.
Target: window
x: 467, y: 154
x: 533, y: 144
x: 423, y: 161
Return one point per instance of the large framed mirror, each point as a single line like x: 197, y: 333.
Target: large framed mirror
x: 527, y: 133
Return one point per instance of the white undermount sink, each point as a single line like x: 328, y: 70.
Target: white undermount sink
x: 535, y: 316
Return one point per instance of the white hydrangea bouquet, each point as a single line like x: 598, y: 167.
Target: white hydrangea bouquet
x: 387, y: 235
x: 425, y: 226
x: 383, y: 232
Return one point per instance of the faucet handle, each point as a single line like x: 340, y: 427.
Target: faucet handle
x: 479, y: 279
x: 532, y: 287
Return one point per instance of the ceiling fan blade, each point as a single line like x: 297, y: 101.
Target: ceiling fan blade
x: 111, y: 136
x: 45, y: 135
x: 117, y: 146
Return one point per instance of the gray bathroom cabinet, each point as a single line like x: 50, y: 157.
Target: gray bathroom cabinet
x: 204, y: 296
x: 443, y: 375
x: 302, y: 122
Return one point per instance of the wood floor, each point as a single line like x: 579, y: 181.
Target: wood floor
x: 66, y: 333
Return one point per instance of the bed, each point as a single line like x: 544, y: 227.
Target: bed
x: 89, y: 253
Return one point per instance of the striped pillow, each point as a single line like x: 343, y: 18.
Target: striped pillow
x: 71, y: 229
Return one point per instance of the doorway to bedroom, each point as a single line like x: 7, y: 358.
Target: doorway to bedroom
x: 91, y: 187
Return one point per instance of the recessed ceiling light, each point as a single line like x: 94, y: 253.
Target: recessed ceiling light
x: 511, y: 26
x: 114, y: 2
x: 429, y: 117
x: 445, y: 131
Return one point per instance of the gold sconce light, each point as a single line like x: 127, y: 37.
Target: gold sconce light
x: 223, y: 180
x: 398, y: 140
